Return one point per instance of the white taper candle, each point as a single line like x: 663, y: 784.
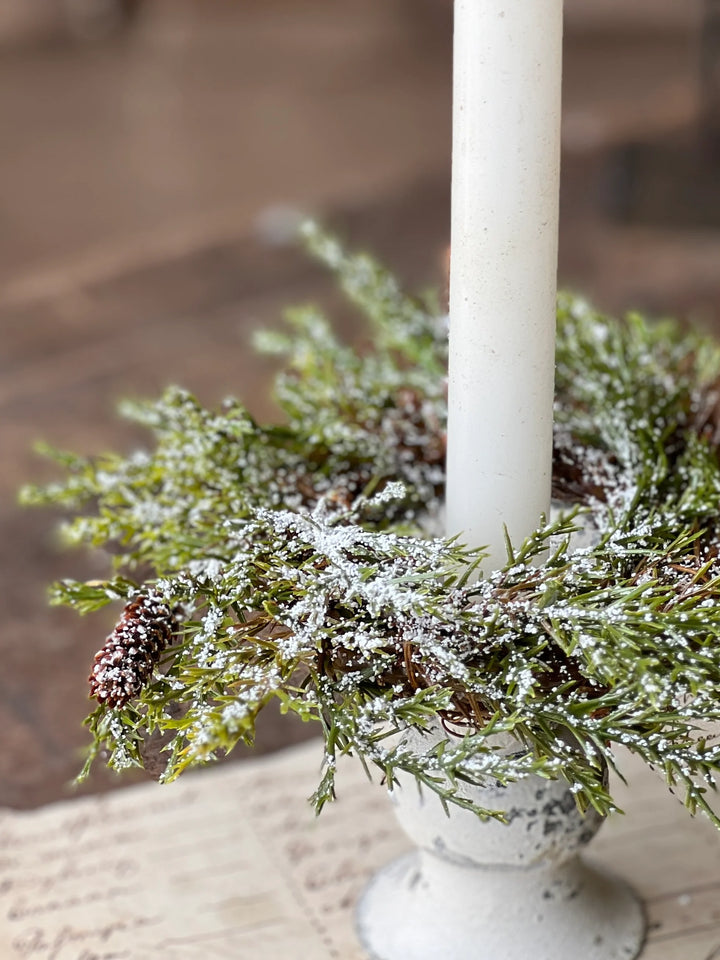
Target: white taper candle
x: 503, y: 273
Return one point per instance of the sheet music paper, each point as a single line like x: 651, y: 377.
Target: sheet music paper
x: 231, y: 863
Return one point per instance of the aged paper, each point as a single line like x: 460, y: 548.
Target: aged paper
x: 175, y: 872
x: 231, y: 863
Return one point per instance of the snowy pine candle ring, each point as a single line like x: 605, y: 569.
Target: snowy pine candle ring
x: 297, y: 556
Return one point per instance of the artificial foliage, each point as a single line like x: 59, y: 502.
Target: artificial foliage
x: 298, y: 563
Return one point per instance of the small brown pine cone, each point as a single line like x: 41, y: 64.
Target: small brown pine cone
x: 417, y: 430
x: 124, y: 664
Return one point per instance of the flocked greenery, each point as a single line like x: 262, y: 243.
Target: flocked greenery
x: 298, y: 557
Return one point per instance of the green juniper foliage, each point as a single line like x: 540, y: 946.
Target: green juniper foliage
x: 295, y: 562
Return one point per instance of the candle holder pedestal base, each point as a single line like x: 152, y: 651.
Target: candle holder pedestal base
x: 488, y: 890
x: 422, y: 907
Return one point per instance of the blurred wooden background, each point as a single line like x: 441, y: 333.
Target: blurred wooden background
x: 146, y: 180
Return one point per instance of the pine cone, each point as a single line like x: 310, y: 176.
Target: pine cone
x: 123, y: 665
x: 416, y: 428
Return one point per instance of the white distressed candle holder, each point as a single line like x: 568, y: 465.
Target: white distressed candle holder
x: 477, y: 890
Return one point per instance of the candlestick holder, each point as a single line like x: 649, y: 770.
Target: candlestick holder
x: 483, y: 890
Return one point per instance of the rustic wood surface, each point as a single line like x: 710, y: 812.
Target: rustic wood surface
x: 144, y: 182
